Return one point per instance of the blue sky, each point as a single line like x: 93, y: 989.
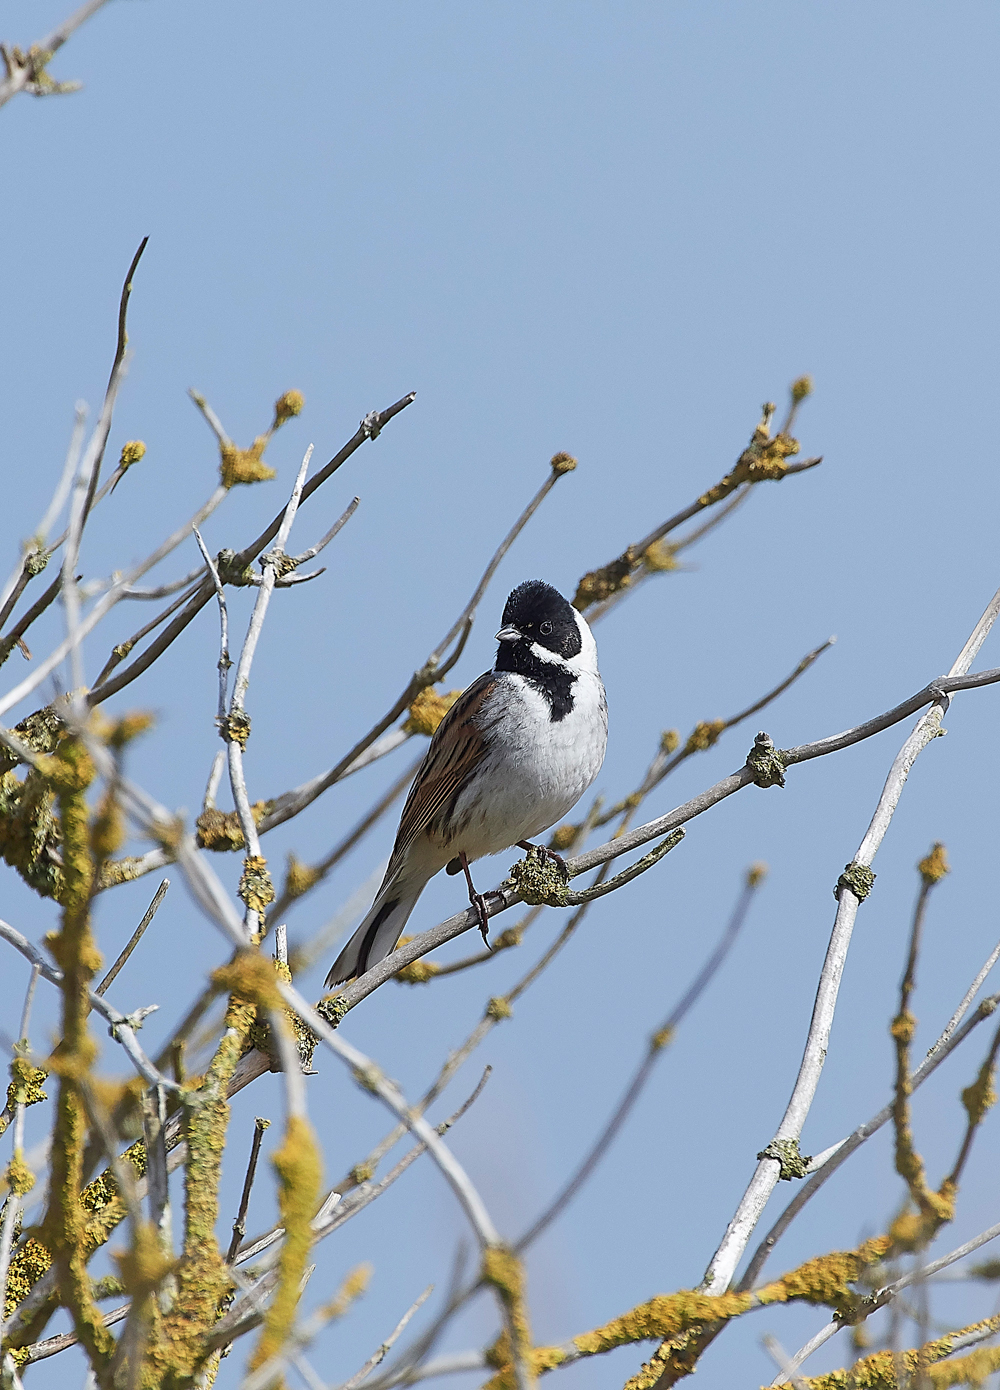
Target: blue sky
x: 616, y: 230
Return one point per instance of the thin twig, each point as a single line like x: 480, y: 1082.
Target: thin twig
x: 881, y: 1297
x: 377, y: 1357
x: 369, y: 428
x: 239, y: 1225
x: 318, y: 872
x: 214, y: 778
x: 499, y: 900
x: 165, y: 590
x: 121, y: 650
x: 36, y: 548
x: 373, y: 1079
x: 24, y: 75
x: 224, y: 662
x: 970, y: 994
x: 660, y: 1038
x: 241, y: 682
x: 122, y: 1025
x: 434, y: 669
x: 136, y: 937
x: 723, y: 1264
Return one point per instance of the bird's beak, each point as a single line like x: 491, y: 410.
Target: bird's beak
x: 509, y: 634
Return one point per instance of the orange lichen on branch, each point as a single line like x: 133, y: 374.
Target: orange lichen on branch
x: 824, y: 1281
x: 220, y: 830
x: 933, y: 867
x: 886, y: 1370
x: 503, y: 1270
x: 297, y: 1164
x: 427, y: 711
x: 299, y: 877
x: 70, y: 771
x: 704, y: 734
x: 763, y: 460
x: 247, y: 465
x: 176, y: 1349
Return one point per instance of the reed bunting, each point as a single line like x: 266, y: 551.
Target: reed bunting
x: 514, y: 753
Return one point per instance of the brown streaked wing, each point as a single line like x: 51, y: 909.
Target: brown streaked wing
x: 455, y: 752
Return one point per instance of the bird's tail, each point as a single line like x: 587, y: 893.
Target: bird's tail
x: 377, y: 934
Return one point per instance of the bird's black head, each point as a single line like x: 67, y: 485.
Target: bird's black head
x: 535, y: 612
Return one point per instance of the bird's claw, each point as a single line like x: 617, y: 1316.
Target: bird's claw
x: 479, y: 903
x: 549, y: 853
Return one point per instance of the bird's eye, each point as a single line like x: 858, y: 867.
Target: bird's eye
x: 545, y: 629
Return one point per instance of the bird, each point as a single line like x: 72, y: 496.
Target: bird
x: 511, y: 757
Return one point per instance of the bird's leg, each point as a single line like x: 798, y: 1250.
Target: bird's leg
x: 549, y: 853
x: 477, y: 900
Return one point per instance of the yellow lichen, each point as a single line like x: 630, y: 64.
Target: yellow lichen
x: 418, y: 972
x: 297, y: 1165
x: 564, y: 836
x: 672, y: 1317
x: 563, y: 463
x: 107, y: 828
x: 503, y: 1270
x: 427, y: 711
x: 71, y: 771
x: 704, y: 734
x: 660, y: 557
x: 762, y: 460
x: 887, y: 1370
x: 499, y: 1008
x: 670, y: 741
x: 30, y: 834
x: 176, y: 1349
x: 600, y: 584
x: 244, y: 465
x: 255, y: 886
x: 220, y: 830
x: 287, y: 406
x: 20, y: 1178
x: 132, y: 452
x: 935, y: 865
x: 129, y: 726
x: 981, y: 1095
x: 26, y: 1083
x: 299, y: 877
x: 757, y: 873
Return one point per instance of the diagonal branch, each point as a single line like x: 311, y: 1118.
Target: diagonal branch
x: 370, y: 427
x: 850, y: 894
x: 24, y: 75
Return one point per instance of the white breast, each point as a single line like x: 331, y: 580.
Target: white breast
x: 537, y: 768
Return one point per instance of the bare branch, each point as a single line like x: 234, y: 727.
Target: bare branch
x: 723, y: 1264
x: 239, y: 1225
x: 881, y: 1297
x: 660, y: 1039
x: 369, y: 428
x: 826, y: 1164
x: 136, y: 937
x: 379, y: 1356
x: 122, y: 1025
x: 27, y: 74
